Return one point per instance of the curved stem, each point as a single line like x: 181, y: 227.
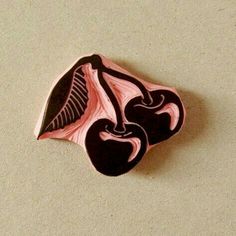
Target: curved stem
x: 146, y: 95
x: 119, y: 126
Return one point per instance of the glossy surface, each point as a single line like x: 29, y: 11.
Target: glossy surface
x: 94, y: 95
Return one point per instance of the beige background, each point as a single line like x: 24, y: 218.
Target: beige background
x: 185, y: 186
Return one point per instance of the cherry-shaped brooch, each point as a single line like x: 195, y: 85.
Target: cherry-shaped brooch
x: 115, y: 116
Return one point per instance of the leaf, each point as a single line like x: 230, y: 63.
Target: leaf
x: 67, y: 101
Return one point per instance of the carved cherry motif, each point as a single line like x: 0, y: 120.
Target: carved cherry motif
x: 83, y: 107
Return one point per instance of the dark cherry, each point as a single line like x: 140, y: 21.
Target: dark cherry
x: 110, y: 150
x: 157, y: 126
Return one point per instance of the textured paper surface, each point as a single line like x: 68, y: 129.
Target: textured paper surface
x: 185, y: 186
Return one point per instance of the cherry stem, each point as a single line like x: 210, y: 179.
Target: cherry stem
x: 119, y: 126
x: 147, y: 100
x: 97, y: 64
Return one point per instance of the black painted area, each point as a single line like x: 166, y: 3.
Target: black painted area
x: 115, y: 104
x: 156, y: 126
x: 67, y: 101
x: 60, y: 94
x: 57, y: 98
x: 110, y: 157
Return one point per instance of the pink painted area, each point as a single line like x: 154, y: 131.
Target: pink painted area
x: 99, y: 106
x: 135, y: 142
x: 173, y: 111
